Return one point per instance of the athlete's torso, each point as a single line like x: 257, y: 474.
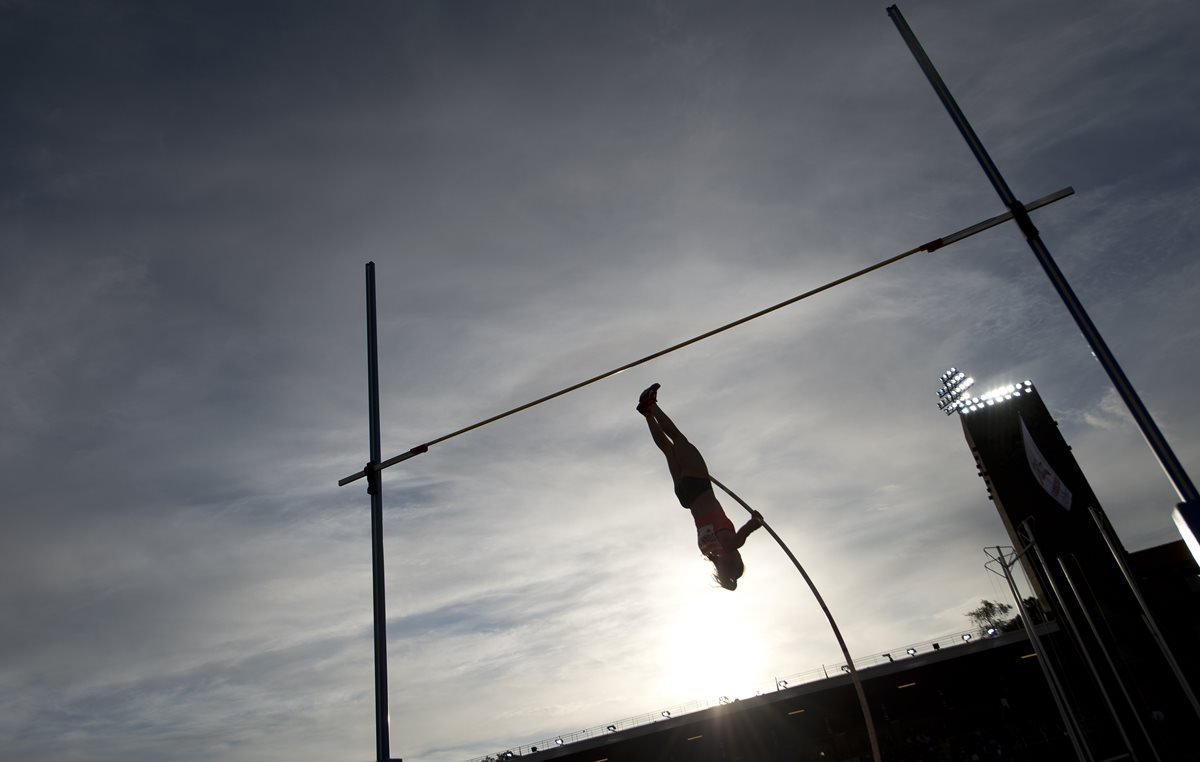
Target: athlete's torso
x: 710, y: 521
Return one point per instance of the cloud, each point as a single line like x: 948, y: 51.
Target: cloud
x: 549, y: 192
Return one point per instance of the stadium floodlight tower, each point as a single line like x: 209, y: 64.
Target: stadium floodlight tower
x: 1077, y: 564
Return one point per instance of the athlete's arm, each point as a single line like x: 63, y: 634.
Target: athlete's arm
x: 756, y: 520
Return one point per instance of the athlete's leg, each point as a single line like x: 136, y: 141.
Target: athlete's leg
x: 686, y: 459
x: 660, y: 436
x: 689, y: 461
x: 667, y: 424
x: 664, y: 443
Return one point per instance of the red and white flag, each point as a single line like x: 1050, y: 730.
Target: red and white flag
x: 1043, y: 473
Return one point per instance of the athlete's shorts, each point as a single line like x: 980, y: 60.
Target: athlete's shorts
x: 689, y: 488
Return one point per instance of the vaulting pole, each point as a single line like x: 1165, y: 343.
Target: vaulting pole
x: 1187, y: 513
x: 375, y: 489
x: 858, y: 688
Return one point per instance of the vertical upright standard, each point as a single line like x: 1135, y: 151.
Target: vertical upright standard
x: 1158, y: 443
x: 375, y: 490
x: 1187, y: 512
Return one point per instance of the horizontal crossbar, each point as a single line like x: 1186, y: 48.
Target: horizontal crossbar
x: 933, y: 245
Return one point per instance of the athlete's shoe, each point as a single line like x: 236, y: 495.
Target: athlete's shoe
x: 648, y: 399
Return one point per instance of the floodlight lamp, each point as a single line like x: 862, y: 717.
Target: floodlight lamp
x: 991, y: 631
x: 508, y: 755
x: 558, y: 741
x: 967, y: 638
x: 667, y: 714
x: 612, y: 728
x: 1007, y: 392
x: 952, y: 393
x: 952, y: 377
x: 912, y: 652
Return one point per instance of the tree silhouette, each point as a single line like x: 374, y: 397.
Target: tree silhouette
x: 994, y: 615
x: 990, y: 615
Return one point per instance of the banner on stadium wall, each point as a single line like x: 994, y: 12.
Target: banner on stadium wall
x: 1043, y: 473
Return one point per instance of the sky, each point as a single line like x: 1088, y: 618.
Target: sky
x: 189, y: 192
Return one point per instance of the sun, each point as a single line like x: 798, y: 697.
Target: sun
x: 707, y: 651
